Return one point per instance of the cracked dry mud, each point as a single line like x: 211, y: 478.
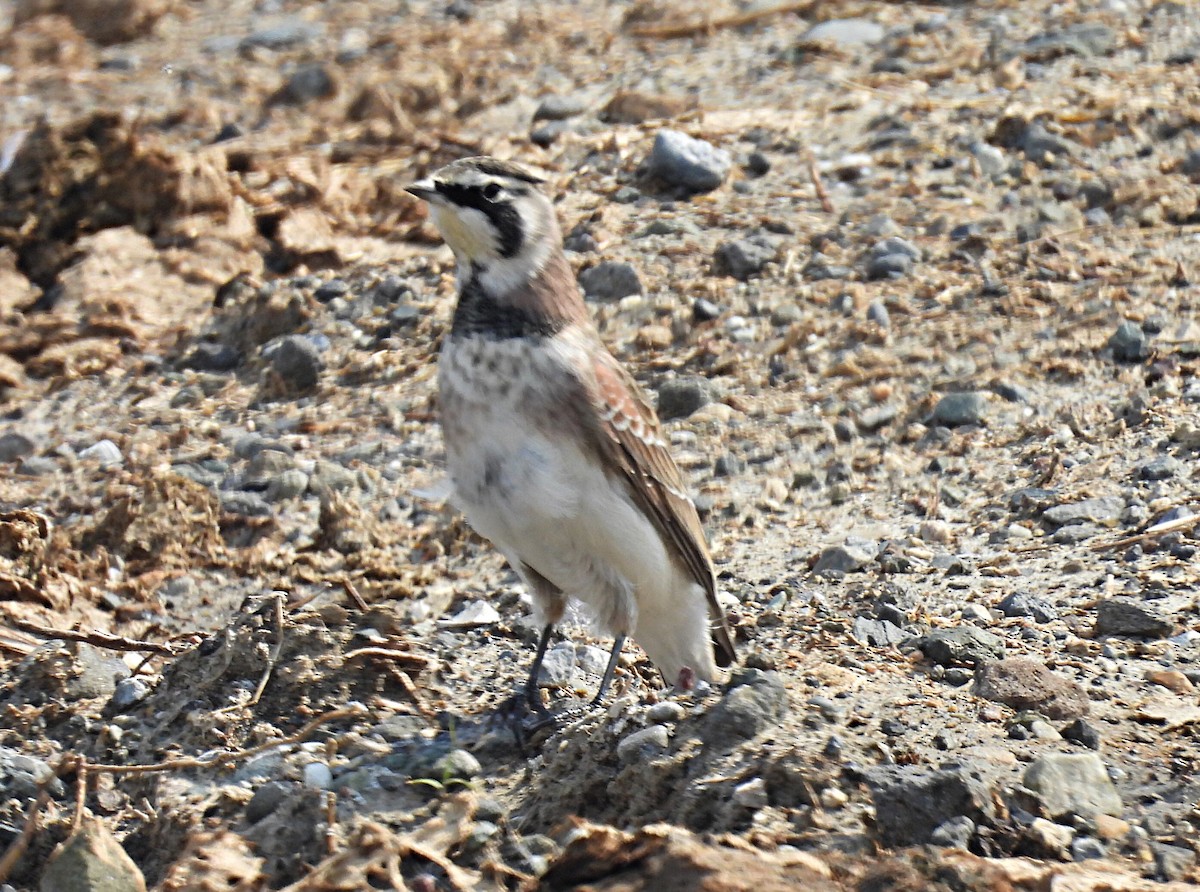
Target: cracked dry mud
x: 929, y: 352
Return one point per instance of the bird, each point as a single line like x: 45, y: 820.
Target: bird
x: 553, y: 451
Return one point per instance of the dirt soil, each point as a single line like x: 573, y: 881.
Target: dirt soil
x: 937, y: 340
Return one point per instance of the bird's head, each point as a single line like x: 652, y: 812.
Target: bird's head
x: 497, y: 222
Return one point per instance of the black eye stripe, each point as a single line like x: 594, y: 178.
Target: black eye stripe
x: 505, y: 218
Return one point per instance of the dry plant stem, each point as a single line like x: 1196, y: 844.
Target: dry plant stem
x: 275, y: 652
x: 81, y: 780
x: 330, y: 822
x: 97, y: 638
x: 17, y: 847
x: 352, y: 711
x: 822, y: 195
x: 354, y: 596
x: 708, y: 26
x: 1159, y: 529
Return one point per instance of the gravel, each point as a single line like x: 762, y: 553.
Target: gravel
x: 686, y: 164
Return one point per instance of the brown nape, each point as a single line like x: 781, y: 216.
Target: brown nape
x: 553, y: 293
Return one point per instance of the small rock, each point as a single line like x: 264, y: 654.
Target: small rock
x: 959, y: 409
x: 329, y: 476
x: 743, y: 258
x: 267, y: 797
x: 758, y: 164
x: 841, y: 559
x: 610, y: 280
x: 22, y: 776
x: 1171, y: 679
x: 756, y: 701
x: 282, y: 35
x: 297, y: 360
x: 308, y: 82
x: 92, y: 861
x: 1103, y: 512
x: 690, y: 165
x: 680, y: 397
x: 245, y: 504
x: 961, y: 645
x: 955, y: 833
x: 751, y: 794
x: 833, y: 798
x: 992, y: 162
x: 888, y: 266
x: 317, y: 776
x: 1126, y: 616
x: 289, y: 484
x: 705, y: 310
x: 845, y: 32
x: 105, y: 452
x: 877, y: 632
x: 877, y: 312
x: 1085, y: 848
x: 1071, y: 784
x: 1081, y: 732
x: 559, y: 108
x: 1025, y: 684
x: 912, y: 802
x: 1025, y: 604
x: 568, y: 664
x: 477, y: 613
x: 1129, y: 343
x: 14, y: 446
x: 667, y: 711
x: 458, y: 763
x: 644, y: 745
x: 1162, y: 468
x: 129, y: 692
x: 1050, y: 838
x: 209, y: 357
x: 1172, y: 863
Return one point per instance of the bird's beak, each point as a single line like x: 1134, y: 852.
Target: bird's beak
x: 423, y: 189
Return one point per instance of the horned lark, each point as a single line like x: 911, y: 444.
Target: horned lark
x: 554, y: 454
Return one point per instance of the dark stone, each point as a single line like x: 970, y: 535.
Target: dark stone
x: 911, y: 803
x: 680, y: 397
x: 297, y: 360
x: 610, y: 280
x: 961, y: 644
x: 1126, y: 616
x: 743, y: 259
x: 1025, y: 604
x: 1025, y: 684
x: 209, y: 357
x: 1082, y: 733
x: 877, y: 632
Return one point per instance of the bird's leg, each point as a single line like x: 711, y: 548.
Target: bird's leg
x: 532, y: 696
x: 606, y: 680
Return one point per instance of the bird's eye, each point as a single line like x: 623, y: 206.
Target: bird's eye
x: 491, y: 191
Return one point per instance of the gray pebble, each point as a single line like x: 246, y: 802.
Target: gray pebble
x: 1072, y: 784
x: 911, y: 802
x: 756, y: 701
x: 1163, y: 468
x: 961, y: 644
x: 130, y: 691
x: 690, y: 165
x: 959, y: 409
x: 845, y: 32
x: 955, y: 833
x: 610, y: 280
x: 1130, y: 617
x: 246, y: 504
x: 743, y: 258
x: 1025, y: 604
x: 105, y: 452
x: 282, y: 35
x: 643, y: 745
x: 458, y: 763
x: 680, y: 397
x: 1085, y: 848
x: 298, y: 361
x: 1079, y: 731
x: 1129, y: 343
x: 841, y: 559
x: 877, y: 632
x: 888, y: 266
x: 329, y: 476
x: 666, y: 711
x: 266, y: 799
x: 877, y: 312
x: 289, y: 484
x: 14, y: 446
x: 558, y: 108
x: 1100, y: 511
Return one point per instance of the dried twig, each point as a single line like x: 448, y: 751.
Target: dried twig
x: 18, y: 846
x: 354, y: 596
x: 1159, y: 529
x: 99, y: 639
x: 273, y: 658
x: 354, y: 710
x: 81, y: 780
x: 330, y: 822
x: 709, y: 26
x: 822, y: 195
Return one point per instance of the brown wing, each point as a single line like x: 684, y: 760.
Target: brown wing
x: 633, y: 442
